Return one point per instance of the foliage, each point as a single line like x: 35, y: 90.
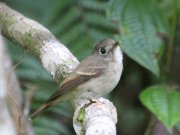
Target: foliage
x: 139, y: 25
x: 164, y: 103
x: 143, y: 27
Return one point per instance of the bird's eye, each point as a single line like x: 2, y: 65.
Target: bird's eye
x: 102, y: 51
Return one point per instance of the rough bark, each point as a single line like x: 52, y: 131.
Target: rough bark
x: 59, y: 62
x: 37, y: 40
x: 97, y: 117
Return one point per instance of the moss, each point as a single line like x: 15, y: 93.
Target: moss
x: 28, y: 38
x: 6, y: 23
x: 82, y: 111
x: 30, y: 42
x: 81, y: 115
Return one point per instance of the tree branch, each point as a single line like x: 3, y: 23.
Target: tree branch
x: 97, y: 117
x: 59, y: 62
x: 37, y: 40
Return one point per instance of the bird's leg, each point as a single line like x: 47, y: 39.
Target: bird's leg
x: 91, y: 101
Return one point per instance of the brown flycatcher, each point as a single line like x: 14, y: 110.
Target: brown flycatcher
x: 94, y: 77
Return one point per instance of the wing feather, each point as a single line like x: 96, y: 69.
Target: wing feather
x: 87, y: 70
x: 81, y: 75
x: 69, y: 85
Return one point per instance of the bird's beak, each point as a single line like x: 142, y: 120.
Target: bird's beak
x: 116, y: 45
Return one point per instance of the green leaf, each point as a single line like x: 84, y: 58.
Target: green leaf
x: 139, y: 22
x: 164, y: 103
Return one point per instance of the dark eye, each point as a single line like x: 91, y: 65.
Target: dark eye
x: 102, y: 50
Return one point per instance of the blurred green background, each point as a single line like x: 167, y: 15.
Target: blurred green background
x: 149, y: 31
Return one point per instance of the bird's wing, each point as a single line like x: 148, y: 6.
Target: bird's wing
x: 79, y: 76
x: 84, y: 72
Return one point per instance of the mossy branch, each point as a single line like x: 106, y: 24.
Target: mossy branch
x: 37, y: 40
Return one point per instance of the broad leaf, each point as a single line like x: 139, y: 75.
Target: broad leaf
x: 139, y: 22
x: 164, y: 103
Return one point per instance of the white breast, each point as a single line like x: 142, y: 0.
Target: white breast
x: 98, y: 87
x: 102, y: 85
x: 118, y: 55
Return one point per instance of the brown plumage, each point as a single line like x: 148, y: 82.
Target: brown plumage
x: 88, y: 71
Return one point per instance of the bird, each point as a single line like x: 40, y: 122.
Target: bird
x: 96, y: 76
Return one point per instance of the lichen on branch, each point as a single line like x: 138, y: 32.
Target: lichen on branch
x: 37, y: 40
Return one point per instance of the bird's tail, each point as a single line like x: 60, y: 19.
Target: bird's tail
x: 38, y: 111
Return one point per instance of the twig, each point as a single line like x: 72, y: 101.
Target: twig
x: 172, y: 36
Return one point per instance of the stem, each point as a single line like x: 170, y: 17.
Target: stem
x: 172, y: 35
x: 150, y: 126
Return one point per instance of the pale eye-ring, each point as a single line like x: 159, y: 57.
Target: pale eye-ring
x: 102, y: 51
